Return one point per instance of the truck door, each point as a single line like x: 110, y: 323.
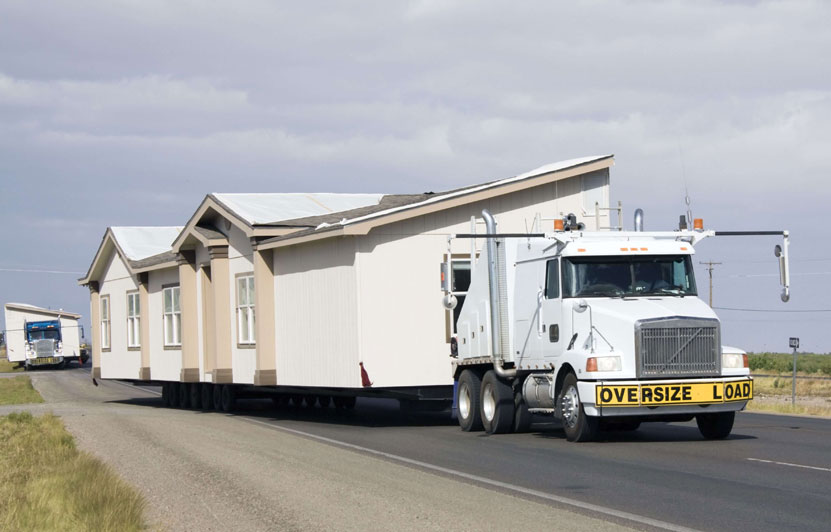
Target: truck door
x: 553, y: 341
x: 527, y: 306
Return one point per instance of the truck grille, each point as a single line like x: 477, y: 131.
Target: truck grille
x: 45, y: 348
x: 678, y: 347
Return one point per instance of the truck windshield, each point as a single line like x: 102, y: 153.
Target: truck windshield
x: 646, y: 275
x: 44, y: 335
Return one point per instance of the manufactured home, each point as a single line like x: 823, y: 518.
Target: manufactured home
x: 38, y: 336
x: 331, y: 295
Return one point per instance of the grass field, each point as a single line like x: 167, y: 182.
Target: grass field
x: 778, y: 363
x: 18, y: 390
x: 47, y: 484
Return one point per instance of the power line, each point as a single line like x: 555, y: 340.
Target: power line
x: 26, y: 270
x: 772, y: 310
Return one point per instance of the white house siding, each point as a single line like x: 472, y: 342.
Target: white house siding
x: 118, y: 362
x: 165, y: 364
x: 243, y: 360
x: 403, y: 339
x: 316, y: 314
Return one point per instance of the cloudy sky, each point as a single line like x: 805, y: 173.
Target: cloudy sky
x: 129, y: 112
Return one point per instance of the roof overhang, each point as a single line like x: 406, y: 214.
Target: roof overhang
x: 109, y: 245
x: 39, y: 310
x: 363, y: 225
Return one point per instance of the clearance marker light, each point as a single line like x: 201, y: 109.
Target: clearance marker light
x: 698, y: 224
x: 558, y: 225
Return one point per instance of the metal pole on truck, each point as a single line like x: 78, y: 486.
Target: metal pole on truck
x: 794, y: 342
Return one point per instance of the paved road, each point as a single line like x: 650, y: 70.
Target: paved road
x: 774, y: 472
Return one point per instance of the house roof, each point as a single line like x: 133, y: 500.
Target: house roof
x: 273, y: 208
x: 60, y: 313
x: 391, y: 205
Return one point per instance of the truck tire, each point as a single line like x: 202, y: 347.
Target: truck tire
x: 716, y: 426
x: 522, y: 417
x: 497, y: 404
x: 470, y: 417
x: 195, y: 392
x: 207, y: 390
x: 229, y: 398
x: 577, y: 425
x: 217, y: 397
x: 184, y: 395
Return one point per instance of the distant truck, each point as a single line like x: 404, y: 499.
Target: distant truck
x: 42, y: 337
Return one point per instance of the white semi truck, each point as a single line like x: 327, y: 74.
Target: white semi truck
x: 38, y: 337
x: 602, y: 330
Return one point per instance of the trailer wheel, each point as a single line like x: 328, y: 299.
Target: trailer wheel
x: 577, y: 425
x: 716, y: 426
x: 349, y: 402
x: 166, y: 394
x: 206, y: 388
x: 324, y: 400
x: 497, y: 404
x: 470, y: 417
x: 195, y: 392
x: 217, y: 397
x: 183, y: 394
x: 173, y: 390
x: 229, y: 398
x: 522, y: 417
x: 310, y: 400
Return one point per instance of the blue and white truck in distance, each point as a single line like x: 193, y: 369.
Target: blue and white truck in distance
x: 38, y: 337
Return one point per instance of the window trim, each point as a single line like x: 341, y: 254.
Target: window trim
x: 136, y: 345
x: 251, y: 309
x: 448, y: 313
x: 174, y: 345
x: 106, y: 323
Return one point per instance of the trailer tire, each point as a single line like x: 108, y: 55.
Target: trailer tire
x: 497, y: 404
x: 296, y: 400
x: 470, y: 386
x: 715, y: 426
x: 309, y: 401
x: 195, y: 392
x: 183, y: 394
x: 577, y: 425
x: 217, y: 397
x: 173, y: 391
x: 324, y: 400
x: 522, y: 417
x: 166, y: 393
x: 349, y: 402
x: 206, y: 389
x: 229, y: 398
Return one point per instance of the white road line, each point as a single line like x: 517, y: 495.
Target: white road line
x: 790, y: 465
x: 482, y: 480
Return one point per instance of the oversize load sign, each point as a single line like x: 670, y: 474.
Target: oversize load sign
x: 680, y: 393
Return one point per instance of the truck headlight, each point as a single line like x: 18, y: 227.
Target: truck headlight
x: 734, y: 361
x: 58, y: 347
x: 603, y: 364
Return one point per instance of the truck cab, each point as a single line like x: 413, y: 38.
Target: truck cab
x: 44, y: 343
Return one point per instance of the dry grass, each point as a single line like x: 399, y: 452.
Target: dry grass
x: 773, y: 394
x: 47, y: 484
x: 782, y: 386
x: 18, y: 390
x: 765, y: 404
x: 5, y: 365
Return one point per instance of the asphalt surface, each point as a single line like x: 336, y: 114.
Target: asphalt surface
x: 773, y: 473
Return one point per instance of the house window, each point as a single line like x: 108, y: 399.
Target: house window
x: 105, y: 322
x: 133, y: 320
x: 172, y: 317
x: 245, y: 309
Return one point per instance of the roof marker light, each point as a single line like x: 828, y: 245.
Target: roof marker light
x: 698, y: 224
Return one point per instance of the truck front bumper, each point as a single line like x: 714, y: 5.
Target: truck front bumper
x: 44, y: 361
x: 665, y: 397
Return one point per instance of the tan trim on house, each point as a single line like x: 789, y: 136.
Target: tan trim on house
x: 144, y: 322
x: 95, y: 325
x: 265, y: 377
x: 220, y: 281
x: 363, y: 227
x: 223, y: 376
x: 188, y: 308
x: 208, y: 320
x: 264, y: 309
x: 144, y: 373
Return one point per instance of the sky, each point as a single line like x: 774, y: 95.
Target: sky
x: 130, y: 112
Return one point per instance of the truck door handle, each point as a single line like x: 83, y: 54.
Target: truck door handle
x: 554, y: 333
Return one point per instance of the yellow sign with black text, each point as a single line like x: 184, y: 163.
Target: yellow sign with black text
x: 678, y: 393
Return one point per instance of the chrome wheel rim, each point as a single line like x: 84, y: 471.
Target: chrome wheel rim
x: 570, y: 406
x: 464, y: 401
x: 488, y: 402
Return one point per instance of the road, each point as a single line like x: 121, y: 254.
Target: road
x: 773, y: 473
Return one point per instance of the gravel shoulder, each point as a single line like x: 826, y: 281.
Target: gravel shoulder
x: 210, y: 471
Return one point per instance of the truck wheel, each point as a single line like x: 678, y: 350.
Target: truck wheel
x: 195, y: 392
x: 522, y: 417
x: 470, y: 417
x: 217, y: 397
x: 229, y: 398
x: 716, y: 426
x: 497, y: 404
x: 207, y: 390
x: 183, y: 394
x: 173, y: 392
x: 577, y: 425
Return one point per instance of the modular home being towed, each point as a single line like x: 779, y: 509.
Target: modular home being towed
x: 310, y: 295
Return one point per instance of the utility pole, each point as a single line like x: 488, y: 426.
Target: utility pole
x: 710, y: 268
